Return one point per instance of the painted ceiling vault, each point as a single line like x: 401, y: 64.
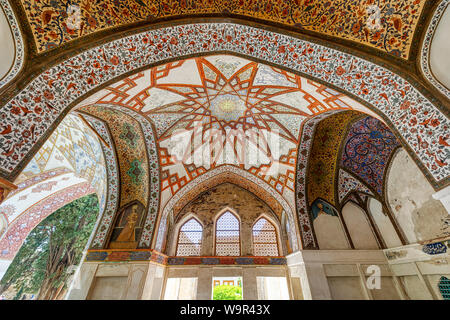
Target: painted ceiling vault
x: 29, y: 115
x: 387, y: 25
x: 224, y: 109
x: 151, y: 103
x: 68, y: 166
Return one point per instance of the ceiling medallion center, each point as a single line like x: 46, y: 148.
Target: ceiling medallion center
x: 227, y: 107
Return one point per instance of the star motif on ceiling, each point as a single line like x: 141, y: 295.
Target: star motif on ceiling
x: 231, y: 101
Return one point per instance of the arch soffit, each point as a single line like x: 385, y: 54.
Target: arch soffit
x: 224, y: 171
x: 312, y: 60
x: 19, y: 44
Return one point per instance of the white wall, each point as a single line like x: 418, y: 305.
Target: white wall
x: 384, y: 224
x: 410, y: 197
x: 358, y: 227
x: 330, y: 233
x: 7, y: 49
x: 440, y: 50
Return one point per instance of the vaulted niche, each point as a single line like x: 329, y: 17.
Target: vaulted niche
x: 8, y: 50
x: 440, y: 50
x: 225, y: 220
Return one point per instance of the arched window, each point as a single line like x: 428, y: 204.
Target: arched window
x: 227, y: 235
x: 264, y: 238
x: 190, y: 238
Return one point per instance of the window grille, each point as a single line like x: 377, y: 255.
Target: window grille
x: 228, y: 235
x: 264, y: 238
x: 190, y: 238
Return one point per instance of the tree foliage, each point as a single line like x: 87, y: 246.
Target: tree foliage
x: 52, y: 250
x: 227, y: 292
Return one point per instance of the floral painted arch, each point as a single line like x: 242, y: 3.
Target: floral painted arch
x: 55, y: 91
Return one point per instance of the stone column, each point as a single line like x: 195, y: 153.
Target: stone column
x: 250, y: 286
x: 82, y: 281
x: 312, y: 276
x: 154, y: 282
x: 204, y: 283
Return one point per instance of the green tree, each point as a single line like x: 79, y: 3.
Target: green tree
x: 51, y: 251
x: 227, y: 292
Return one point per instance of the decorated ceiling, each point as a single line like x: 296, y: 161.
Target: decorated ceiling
x: 57, y: 89
x: 68, y: 166
x: 220, y: 112
x: 72, y: 148
x: 223, y: 109
x: 387, y: 25
x: 350, y: 152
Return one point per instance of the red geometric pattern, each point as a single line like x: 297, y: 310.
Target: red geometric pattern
x: 212, y: 96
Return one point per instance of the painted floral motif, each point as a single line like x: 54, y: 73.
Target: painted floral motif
x: 367, y: 149
x: 19, y: 229
x: 129, y: 135
x: 27, y: 116
x: 28, y: 182
x: 154, y: 176
x: 113, y: 179
x: 323, y: 158
x: 132, y: 176
x: 435, y: 248
x: 72, y: 147
x: 347, y: 183
x: 304, y: 148
x: 135, y: 172
x: 46, y: 186
x: 53, y: 24
x: 258, y: 99
x: 112, y: 197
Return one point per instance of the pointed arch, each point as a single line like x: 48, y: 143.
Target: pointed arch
x: 266, y: 237
x: 390, y: 99
x: 425, y: 52
x: 360, y: 227
x: 227, y: 233
x: 148, y: 138
x: 218, y: 175
x: 190, y: 236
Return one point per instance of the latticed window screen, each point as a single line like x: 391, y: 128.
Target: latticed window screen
x: 444, y: 288
x: 190, y: 239
x: 264, y: 239
x: 227, y: 235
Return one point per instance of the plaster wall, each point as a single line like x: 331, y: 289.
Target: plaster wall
x: 342, y: 274
x: 418, y: 272
x: 330, y: 233
x: 7, y: 53
x: 123, y: 280
x: 440, y: 50
x: 384, y: 224
x: 359, y: 227
x: 410, y: 197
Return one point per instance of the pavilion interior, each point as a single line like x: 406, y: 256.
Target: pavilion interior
x: 164, y: 150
